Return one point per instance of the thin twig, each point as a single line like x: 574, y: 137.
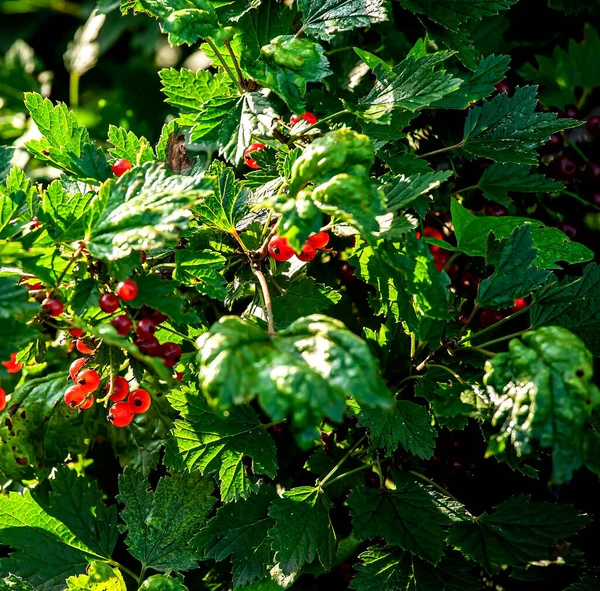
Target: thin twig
x: 266, y: 299
x: 236, y: 65
x: 225, y: 65
x: 70, y: 262
x: 441, y: 150
x: 320, y: 483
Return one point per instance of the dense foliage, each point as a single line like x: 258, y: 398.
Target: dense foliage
x: 333, y: 326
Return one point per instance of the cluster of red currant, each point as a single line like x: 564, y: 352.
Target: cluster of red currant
x: 280, y: 249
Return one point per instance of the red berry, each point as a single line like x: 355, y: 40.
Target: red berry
x: 280, y: 249
x: 433, y: 233
x: 75, y: 367
x: 74, y: 396
x: 469, y: 283
x: 519, y: 304
x: 122, y: 324
x: 319, y: 240
x: 294, y: 119
x: 503, y: 86
x: 139, y: 401
x: 570, y: 111
x: 121, y: 166
x: 569, y: 229
x: 127, y: 290
x: 75, y: 332
x: 12, y: 366
x: 143, y: 256
x: 591, y: 172
x: 596, y: 199
x: 150, y: 346
x: 250, y: 150
x: 489, y: 317
x: 463, y: 318
x: 179, y: 376
x: 89, y: 380
x: 89, y: 402
x: 593, y: 125
x: 145, y: 328
x: 347, y: 272
x: 308, y: 253
x: 152, y: 314
x: 2, y: 399
x: 564, y: 168
x: 120, y: 388
x: 53, y: 306
x: 109, y: 303
x: 35, y: 223
x: 495, y: 209
x: 553, y: 145
x: 82, y: 347
x: 441, y: 258
x: 171, y: 353
x: 309, y: 117
x: 120, y: 414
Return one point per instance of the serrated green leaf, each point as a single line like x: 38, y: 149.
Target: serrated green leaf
x: 508, y: 129
x: 100, y: 577
x: 204, y: 440
x: 498, y: 179
x: 203, y: 270
x: 514, y: 274
x: 65, y: 144
x: 517, y: 532
x: 127, y: 145
x: 406, y: 424
x: 544, y: 397
x: 161, y: 523
x: 401, y: 190
x: 14, y: 583
x: 14, y: 301
x: 307, y: 370
x: 302, y: 530
x: 587, y: 583
x: 407, y: 517
x: 6, y: 154
x: 239, y: 530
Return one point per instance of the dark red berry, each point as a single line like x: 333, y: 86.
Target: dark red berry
x: 74, y: 396
x: 570, y: 111
x: 120, y: 414
x: 250, y: 162
x: 569, y: 229
x: 109, y: 303
x: 469, y: 283
x: 280, y: 249
x: 462, y: 318
x: 347, y: 272
x: 120, y: 388
x: 489, y: 317
x: 495, y: 209
x: 308, y: 253
x: 53, y: 306
x: 595, y: 199
x: 139, y: 401
x: 319, y: 240
x: 591, y: 173
x: 179, y: 376
x: 593, y: 125
x: 503, y: 86
x: 122, y: 324
x: 89, y: 380
x: 171, y: 353
x: 2, y: 399
x: 564, y: 168
x: 145, y: 328
x: 553, y: 145
x: 12, y: 366
x: 519, y: 304
x: 121, y: 166
x: 152, y: 314
x: 127, y: 290
x: 150, y: 346
x: 76, y: 332
x: 143, y: 256
x: 75, y: 367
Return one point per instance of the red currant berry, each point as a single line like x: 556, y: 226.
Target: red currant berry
x: 179, y: 376
x: 571, y: 112
x: 88, y: 402
x: 53, y: 306
x: 564, y: 168
x: 120, y: 388
x: 469, y: 283
x: 152, y: 314
x: 109, y: 303
x: 519, y: 304
x: 308, y: 253
x: 591, y: 172
x: 139, y: 401
x: 250, y: 162
x: 309, y: 117
x: 593, y: 125
x: 496, y: 210
x: 122, y: 324
x: 503, y: 86
x: 82, y: 347
x: 89, y: 380
x: 120, y: 414
x: 121, y: 166
x: 150, y: 346
x: 463, y: 318
x: 127, y: 290
x: 569, y: 229
x: 145, y: 328
x: 12, y: 366
x: 2, y: 399
x: 74, y: 396
x: 171, y: 353
x: 75, y: 367
x: 319, y: 240
x: 76, y: 332
x: 553, y: 145
x: 280, y: 249
x: 347, y: 272
x: 35, y: 223
x: 294, y: 119
x: 433, y: 233
x: 489, y: 317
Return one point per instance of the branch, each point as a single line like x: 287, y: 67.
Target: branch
x: 266, y: 300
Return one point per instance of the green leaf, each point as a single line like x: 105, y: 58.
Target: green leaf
x: 14, y: 301
x: 50, y: 540
x: 161, y: 523
x: 204, y: 440
x: 323, y: 18
x: 508, y: 129
x: 582, y: 6
x: 188, y: 25
x: 203, y: 270
x: 587, y: 583
x: 239, y: 530
x: 100, y: 577
x: 517, y: 532
x: 14, y: 583
x: 401, y: 190
x: 127, y: 145
x: 498, y: 179
x: 544, y: 397
x: 6, y: 155
x: 141, y: 211
x: 302, y: 530
x: 514, y: 274
x: 307, y: 370
x: 576, y: 306
x: 389, y: 569
x: 413, y: 84
x: 565, y: 71
x: 406, y: 424
x: 226, y: 205
x: 65, y: 144
x: 407, y: 517
x: 477, y: 85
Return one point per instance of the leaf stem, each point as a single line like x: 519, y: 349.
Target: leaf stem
x: 477, y: 349
x: 436, y: 486
x: 354, y: 471
x: 236, y: 65
x: 179, y: 334
x: 321, y: 483
x: 74, y: 256
x: 266, y: 300
x: 235, y: 234
x: 464, y: 190
x: 504, y: 338
x: 225, y: 65
x: 467, y: 323
x: 577, y: 149
x: 126, y: 570
x: 450, y: 371
x: 74, y: 90
x: 451, y: 260
x: 441, y: 150
x: 323, y: 120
